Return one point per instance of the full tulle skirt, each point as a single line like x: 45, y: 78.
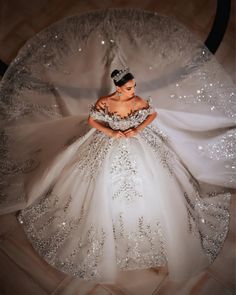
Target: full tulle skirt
x: 106, y: 205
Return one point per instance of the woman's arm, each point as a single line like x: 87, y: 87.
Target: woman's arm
x: 108, y: 131
x: 99, y: 126
x: 146, y: 122
x: 133, y: 131
x: 100, y: 104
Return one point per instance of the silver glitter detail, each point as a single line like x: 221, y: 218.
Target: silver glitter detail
x: 91, y: 156
x: 151, y: 134
x: 222, y: 149
x: 144, y: 245
x: 90, y: 252
x: 124, y: 173
x: 208, y: 218
x: 211, y: 93
x: 159, y: 142
x: 116, y: 122
x: 48, y: 234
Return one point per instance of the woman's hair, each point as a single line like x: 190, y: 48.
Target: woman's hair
x: 123, y: 80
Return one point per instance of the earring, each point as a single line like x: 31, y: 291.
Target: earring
x: 118, y: 93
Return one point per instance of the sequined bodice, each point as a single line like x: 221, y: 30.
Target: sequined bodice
x: 117, y: 122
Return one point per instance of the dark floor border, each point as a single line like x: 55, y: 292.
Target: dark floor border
x: 219, y: 26
x: 3, y: 68
x: 214, y: 38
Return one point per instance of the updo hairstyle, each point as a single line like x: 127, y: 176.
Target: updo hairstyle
x: 122, y: 81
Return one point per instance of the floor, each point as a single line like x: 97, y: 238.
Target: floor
x: 22, y: 271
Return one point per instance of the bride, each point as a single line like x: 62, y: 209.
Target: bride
x: 138, y: 183
x: 123, y: 101
x: 119, y: 198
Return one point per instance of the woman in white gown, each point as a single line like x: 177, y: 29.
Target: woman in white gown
x: 120, y: 199
x: 138, y: 189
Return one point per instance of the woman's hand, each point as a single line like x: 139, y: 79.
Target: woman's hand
x: 116, y: 134
x: 131, y: 132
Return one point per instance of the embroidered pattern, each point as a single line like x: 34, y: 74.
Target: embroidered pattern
x: 145, y: 245
x: 126, y: 181
x: 116, y: 122
x: 208, y: 218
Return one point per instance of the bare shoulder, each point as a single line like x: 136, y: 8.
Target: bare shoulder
x: 104, y: 100
x: 101, y: 102
x: 141, y: 102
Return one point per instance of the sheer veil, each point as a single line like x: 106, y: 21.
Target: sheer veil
x: 48, y: 89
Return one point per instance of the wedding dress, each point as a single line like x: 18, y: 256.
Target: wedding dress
x: 93, y: 205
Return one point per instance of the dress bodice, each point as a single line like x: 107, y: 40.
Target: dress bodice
x: 117, y: 122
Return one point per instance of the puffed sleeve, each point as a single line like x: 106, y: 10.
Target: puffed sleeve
x: 150, y: 107
x: 95, y: 113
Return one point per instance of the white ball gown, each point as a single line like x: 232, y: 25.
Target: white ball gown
x: 93, y: 205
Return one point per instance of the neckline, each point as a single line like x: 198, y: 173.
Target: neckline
x: 132, y: 112
x: 118, y: 115
x: 105, y: 111
x: 133, y: 97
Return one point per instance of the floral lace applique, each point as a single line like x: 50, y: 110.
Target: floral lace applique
x: 118, y: 122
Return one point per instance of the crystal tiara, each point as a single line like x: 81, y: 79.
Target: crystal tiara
x: 121, y: 74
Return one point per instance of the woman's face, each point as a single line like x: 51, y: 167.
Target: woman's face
x: 128, y: 89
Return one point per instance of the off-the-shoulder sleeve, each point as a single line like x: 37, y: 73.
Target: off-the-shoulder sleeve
x: 150, y: 107
x: 95, y: 113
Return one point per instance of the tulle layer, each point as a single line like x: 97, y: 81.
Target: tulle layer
x: 119, y: 204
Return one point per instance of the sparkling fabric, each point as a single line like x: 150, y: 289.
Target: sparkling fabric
x: 108, y: 206
x: 116, y: 122
x: 92, y: 205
